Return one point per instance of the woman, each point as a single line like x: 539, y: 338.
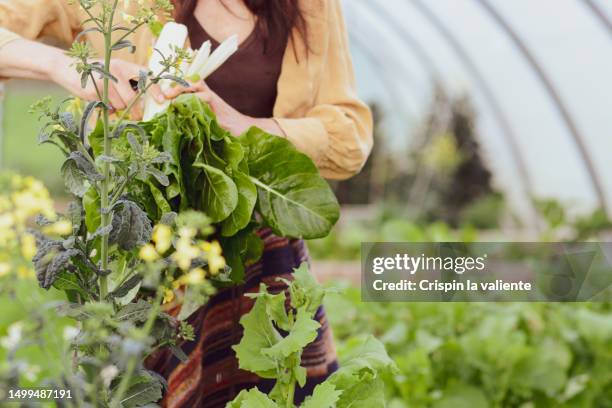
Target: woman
x: 291, y: 76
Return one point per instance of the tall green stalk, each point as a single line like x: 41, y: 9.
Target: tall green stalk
x: 105, y: 184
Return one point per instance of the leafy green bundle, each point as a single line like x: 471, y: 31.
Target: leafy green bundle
x: 229, y: 179
x: 265, y: 351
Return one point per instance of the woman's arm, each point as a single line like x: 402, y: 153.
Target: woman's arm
x: 21, y: 57
x: 27, y: 59
x: 335, y: 130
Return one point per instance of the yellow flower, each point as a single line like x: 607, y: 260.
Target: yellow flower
x: 187, y: 232
x: 194, y: 277
x: 168, y: 296
x: 5, y: 268
x: 215, y: 263
x: 61, y: 227
x: 162, y: 236
x: 185, y: 253
x: 28, y: 246
x: 148, y: 253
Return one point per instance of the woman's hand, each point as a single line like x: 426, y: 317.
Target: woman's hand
x: 228, y: 117
x: 121, y: 92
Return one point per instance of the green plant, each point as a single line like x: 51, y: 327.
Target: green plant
x: 485, y: 354
x: 269, y: 354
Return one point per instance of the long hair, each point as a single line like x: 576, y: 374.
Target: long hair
x: 277, y: 20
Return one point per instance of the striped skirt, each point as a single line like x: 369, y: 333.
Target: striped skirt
x: 211, y: 377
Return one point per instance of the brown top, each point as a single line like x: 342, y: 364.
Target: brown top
x: 248, y: 79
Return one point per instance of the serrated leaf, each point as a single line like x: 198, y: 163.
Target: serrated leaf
x: 324, y: 395
x: 303, y: 332
x: 252, y: 398
x: 359, y: 376
x: 259, y: 333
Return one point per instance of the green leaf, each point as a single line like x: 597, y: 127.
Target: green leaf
x: 462, y: 396
x: 134, y: 312
x: 131, y: 226
x: 324, y: 395
x: 67, y: 281
x: 78, y: 172
x: 50, y: 260
x: 294, y: 200
x: 252, y: 398
x: 91, y: 203
x: 359, y: 376
x: 247, y: 198
x: 126, y: 286
x: 305, y: 291
x: 142, y: 393
x: 220, y: 194
x: 259, y: 333
x: 192, y: 301
x: 303, y: 332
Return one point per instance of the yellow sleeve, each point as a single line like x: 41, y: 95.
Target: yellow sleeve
x: 33, y: 19
x: 337, y: 131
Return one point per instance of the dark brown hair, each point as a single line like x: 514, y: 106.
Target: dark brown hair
x: 276, y: 20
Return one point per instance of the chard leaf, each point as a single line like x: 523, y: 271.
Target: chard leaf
x: 219, y: 195
x: 131, y: 226
x: 294, y: 200
x: 247, y: 198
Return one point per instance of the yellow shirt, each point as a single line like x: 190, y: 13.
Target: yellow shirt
x: 317, y: 105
